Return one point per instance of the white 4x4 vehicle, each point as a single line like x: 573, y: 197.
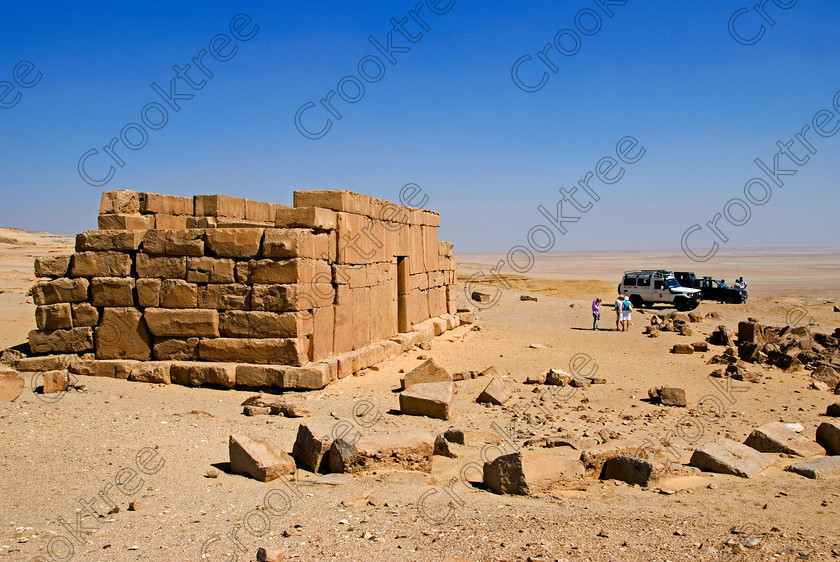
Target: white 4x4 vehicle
x: 648, y: 287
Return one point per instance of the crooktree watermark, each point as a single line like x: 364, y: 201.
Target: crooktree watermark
x: 567, y: 42
x: 155, y: 115
x: 578, y: 200
x: 22, y: 78
x: 792, y: 154
x: 370, y: 69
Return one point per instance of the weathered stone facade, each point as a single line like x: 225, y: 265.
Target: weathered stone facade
x: 225, y: 291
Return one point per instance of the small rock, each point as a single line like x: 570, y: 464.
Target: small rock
x: 828, y: 435
x: 820, y: 385
x: 833, y: 410
x: 269, y: 555
x: 682, y: 349
x: 55, y: 381
x: 527, y: 298
x: 535, y: 379
x: 212, y: 473
x: 256, y: 410
x: 668, y: 396
x: 558, y: 378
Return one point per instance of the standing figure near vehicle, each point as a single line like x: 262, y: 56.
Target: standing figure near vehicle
x: 596, y: 313
x: 619, y: 303
x: 625, y: 315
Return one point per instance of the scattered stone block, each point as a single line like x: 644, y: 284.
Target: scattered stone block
x: 538, y: 378
x: 557, y: 377
x: 828, y: 435
x: 729, y: 457
x: 407, y: 450
x: 819, y: 385
x: 55, y: 382
x: 668, y: 396
x: 11, y: 385
x: 528, y: 298
x: 256, y: 410
x: 528, y: 471
x: 426, y: 372
x: 776, y: 437
x: 628, y: 469
x: 480, y: 297
x: 594, y: 457
x: 433, y: 399
x: 314, y: 439
x: 826, y: 374
x: 497, y: 392
x: 824, y: 467
x: 682, y: 349
x: 258, y: 458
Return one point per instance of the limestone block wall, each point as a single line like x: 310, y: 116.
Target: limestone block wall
x: 339, y: 279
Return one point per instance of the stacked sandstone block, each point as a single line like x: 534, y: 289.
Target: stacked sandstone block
x: 290, y: 297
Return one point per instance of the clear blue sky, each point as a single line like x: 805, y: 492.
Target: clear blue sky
x: 447, y: 116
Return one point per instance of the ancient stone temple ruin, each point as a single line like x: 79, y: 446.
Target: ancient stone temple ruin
x: 229, y: 292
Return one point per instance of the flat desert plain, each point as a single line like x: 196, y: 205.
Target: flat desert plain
x: 63, y: 451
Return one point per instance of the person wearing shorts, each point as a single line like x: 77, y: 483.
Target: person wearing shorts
x: 625, y: 315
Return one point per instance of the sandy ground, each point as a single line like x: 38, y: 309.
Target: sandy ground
x: 72, y: 448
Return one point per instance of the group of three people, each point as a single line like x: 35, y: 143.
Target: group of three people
x: 623, y: 307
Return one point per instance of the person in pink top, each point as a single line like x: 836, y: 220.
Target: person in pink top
x: 596, y: 313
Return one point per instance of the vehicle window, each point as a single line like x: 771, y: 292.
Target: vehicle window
x: 644, y: 281
x: 658, y: 285
x: 672, y: 283
x: 630, y: 281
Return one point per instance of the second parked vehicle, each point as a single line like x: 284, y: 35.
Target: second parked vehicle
x: 648, y: 287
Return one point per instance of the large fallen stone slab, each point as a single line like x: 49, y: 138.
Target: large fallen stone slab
x: 828, y: 435
x: 427, y: 372
x: 433, y: 399
x: 529, y: 471
x: 729, y: 457
x: 776, y: 437
x: 824, y: 467
x: 11, y: 385
x: 405, y: 450
x: 497, y: 392
x: 276, y: 406
x: 628, y: 469
x: 313, y: 442
x: 258, y: 458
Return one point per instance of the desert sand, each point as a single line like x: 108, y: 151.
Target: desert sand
x: 59, y: 449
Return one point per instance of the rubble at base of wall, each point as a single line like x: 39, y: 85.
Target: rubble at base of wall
x: 312, y: 376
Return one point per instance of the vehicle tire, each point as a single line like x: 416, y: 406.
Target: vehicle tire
x: 682, y: 304
x: 636, y: 301
x: 649, y: 304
